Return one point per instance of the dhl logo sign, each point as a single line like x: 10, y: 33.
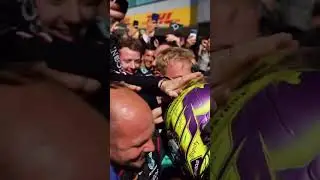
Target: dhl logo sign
x: 179, y: 15
x: 164, y: 18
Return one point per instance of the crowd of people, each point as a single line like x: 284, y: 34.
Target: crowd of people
x: 138, y: 143
x: 73, y: 76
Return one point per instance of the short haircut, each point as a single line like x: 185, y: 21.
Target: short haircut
x: 173, y: 54
x: 150, y: 47
x: 133, y: 44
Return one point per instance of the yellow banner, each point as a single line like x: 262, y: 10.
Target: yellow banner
x: 179, y: 15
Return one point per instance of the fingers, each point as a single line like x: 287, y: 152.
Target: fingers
x: 172, y: 93
x: 157, y: 115
x: 189, y: 77
x: 73, y: 82
x: 173, y: 87
x: 130, y: 86
x: 158, y: 120
x: 157, y: 112
x: 46, y: 37
x: 24, y: 35
x: 183, y: 85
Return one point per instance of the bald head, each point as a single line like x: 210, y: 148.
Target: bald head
x: 131, y: 128
x: 125, y: 104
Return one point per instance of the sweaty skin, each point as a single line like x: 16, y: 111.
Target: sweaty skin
x: 131, y: 128
x: 48, y: 133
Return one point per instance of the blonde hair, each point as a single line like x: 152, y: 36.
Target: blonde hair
x: 173, y: 54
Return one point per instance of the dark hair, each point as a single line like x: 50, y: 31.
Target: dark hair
x: 123, y: 4
x: 316, y: 9
x: 150, y: 46
x: 133, y: 44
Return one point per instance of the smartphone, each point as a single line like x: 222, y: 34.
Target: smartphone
x: 193, y: 33
x: 136, y: 24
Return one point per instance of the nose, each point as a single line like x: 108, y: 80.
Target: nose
x: 132, y: 65
x: 153, y: 63
x: 149, y: 146
x: 72, y: 13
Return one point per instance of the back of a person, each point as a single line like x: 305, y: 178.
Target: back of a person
x: 272, y: 118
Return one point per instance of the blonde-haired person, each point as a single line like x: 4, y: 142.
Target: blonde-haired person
x: 175, y: 62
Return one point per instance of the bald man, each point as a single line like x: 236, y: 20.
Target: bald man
x: 49, y: 133
x: 132, y: 150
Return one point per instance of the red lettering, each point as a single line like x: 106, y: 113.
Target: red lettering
x: 162, y: 18
x: 168, y: 18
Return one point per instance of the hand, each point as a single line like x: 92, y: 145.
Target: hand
x: 130, y: 86
x: 46, y: 37
x: 171, y: 38
x: 230, y: 67
x: 157, y: 115
x: 191, y: 41
x: 74, y: 82
x: 173, y: 87
x: 115, y: 11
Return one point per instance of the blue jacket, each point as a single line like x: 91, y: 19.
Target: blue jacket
x: 113, y: 174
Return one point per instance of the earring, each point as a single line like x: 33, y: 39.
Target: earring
x: 28, y: 10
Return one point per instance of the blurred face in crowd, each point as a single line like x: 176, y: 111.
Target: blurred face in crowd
x: 151, y: 25
x: 148, y: 59
x: 66, y: 19
x: 132, y: 31
x: 131, y: 128
x: 205, y: 44
x: 130, y: 60
x: 178, y: 68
